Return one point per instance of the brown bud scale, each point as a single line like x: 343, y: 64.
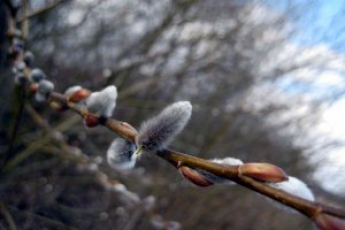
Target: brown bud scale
x: 328, y: 222
x: 91, y: 121
x: 194, y: 177
x: 79, y: 95
x: 263, y: 172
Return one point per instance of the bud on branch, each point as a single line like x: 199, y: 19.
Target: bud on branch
x: 263, y: 172
x: 327, y: 222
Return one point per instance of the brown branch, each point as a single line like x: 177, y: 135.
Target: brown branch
x: 25, y: 22
x: 307, y: 208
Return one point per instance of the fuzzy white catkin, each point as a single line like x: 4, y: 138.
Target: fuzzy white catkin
x: 120, y: 154
x: 44, y: 88
x: 158, y: 132
x: 220, y: 180
x: 228, y: 161
x: 37, y: 75
x: 293, y: 186
x: 20, y: 66
x: 103, y: 102
x: 29, y: 58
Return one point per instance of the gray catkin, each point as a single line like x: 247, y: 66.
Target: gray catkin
x: 293, y: 186
x: 44, y: 88
x: 119, y: 154
x: 217, y: 179
x: 158, y: 132
x: 37, y: 75
x: 103, y: 102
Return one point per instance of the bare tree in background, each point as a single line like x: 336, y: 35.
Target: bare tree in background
x: 219, y: 56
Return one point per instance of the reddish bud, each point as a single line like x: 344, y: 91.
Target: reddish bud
x: 263, y: 172
x: 328, y: 222
x: 91, y: 120
x: 79, y: 95
x: 33, y: 87
x: 194, y: 177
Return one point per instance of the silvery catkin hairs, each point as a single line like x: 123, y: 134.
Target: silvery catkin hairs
x: 295, y: 187
x: 103, y: 102
x: 44, y: 89
x: 157, y: 133
x: 217, y: 179
x: 120, y: 154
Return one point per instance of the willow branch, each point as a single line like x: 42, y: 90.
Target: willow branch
x: 123, y: 129
x: 25, y: 21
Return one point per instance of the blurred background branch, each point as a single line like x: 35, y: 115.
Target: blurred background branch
x: 27, y: 15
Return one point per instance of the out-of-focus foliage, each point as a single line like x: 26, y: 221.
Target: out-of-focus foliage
x: 225, y: 57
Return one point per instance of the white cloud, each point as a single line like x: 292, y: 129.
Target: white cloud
x: 322, y: 70
x: 333, y: 120
x: 332, y: 160
x: 318, y: 65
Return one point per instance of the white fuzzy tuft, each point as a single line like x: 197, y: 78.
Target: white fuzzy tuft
x: 37, y: 75
x: 120, y: 154
x: 217, y: 179
x: 295, y: 187
x: 158, y: 132
x: 20, y: 66
x: 228, y: 161
x: 44, y: 88
x: 102, y: 103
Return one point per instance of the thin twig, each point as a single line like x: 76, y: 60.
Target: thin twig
x: 8, y: 217
x: 20, y: 157
x: 39, y: 11
x: 133, y: 220
x: 47, y: 220
x: 16, y: 126
x: 25, y: 22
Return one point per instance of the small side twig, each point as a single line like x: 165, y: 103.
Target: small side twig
x: 8, y: 217
x: 16, y: 127
x: 45, y: 219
